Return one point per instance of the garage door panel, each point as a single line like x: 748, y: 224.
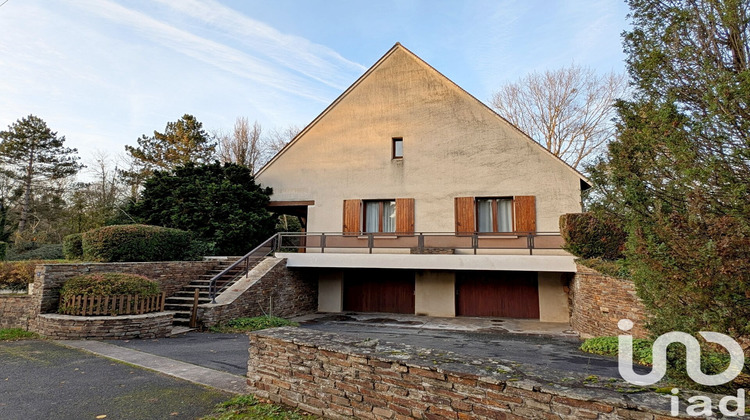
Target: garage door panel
x: 379, y: 291
x: 497, y: 293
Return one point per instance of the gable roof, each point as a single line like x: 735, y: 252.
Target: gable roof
x: 584, y: 181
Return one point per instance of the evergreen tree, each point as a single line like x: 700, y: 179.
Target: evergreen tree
x: 35, y: 157
x: 678, y: 174
x: 221, y: 205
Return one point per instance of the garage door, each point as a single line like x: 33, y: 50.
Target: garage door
x: 379, y: 291
x: 508, y: 294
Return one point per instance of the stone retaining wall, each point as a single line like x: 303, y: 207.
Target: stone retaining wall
x: 599, y: 301
x: 123, y: 327
x: 337, y: 377
x: 16, y: 310
x: 280, y: 292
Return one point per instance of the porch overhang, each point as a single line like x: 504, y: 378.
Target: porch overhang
x: 539, y: 263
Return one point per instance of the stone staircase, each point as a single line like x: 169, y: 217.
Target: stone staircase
x: 182, y: 302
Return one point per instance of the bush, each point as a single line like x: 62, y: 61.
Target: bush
x: 72, y: 246
x: 3, y: 250
x: 17, y: 275
x: 608, y: 346
x: 590, y: 236
x: 110, y: 284
x: 240, y: 325
x: 32, y: 251
x: 137, y: 243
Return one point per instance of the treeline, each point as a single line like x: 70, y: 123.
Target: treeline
x: 43, y: 197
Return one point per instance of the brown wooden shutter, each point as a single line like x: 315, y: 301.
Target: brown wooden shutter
x: 465, y: 215
x: 352, y: 212
x: 525, y: 213
x: 404, y: 215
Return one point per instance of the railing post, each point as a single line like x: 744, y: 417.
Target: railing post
x: 420, y: 243
x: 194, y: 311
x: 322, y: 243
x: 370, y: 241
x: 530, y: 243
x: 475, y: 242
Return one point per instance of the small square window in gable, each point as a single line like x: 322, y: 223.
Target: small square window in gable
x: 397, y: 149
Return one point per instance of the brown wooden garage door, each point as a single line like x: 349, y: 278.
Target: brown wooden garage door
x: 379, y: 291
x: 508, y: 294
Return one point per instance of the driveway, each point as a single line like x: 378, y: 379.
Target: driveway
x: 43, y: 380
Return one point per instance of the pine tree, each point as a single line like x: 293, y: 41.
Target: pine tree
x: 35, y: 156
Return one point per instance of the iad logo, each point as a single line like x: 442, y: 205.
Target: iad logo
x: 693, y: 367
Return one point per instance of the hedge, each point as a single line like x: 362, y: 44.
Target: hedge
x: 33, y: 251
x: 110, y: 284
x: 137, y: 243
x: 17, y: 275
x: 73, y: 247
x: 590, y: 236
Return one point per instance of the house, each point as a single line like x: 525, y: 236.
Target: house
x: 418, y: 198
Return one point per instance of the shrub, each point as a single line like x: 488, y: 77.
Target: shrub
x: 590, y: 236
x: 72, y: 246
x: 17, y: 275
x: 137, y: 243
x: 32, y: 251
x: 3, y: 250
x: 608, y: 346
x: 110, y: 284
x: 239, y: 325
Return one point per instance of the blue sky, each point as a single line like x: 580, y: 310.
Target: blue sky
x: 104, y: 72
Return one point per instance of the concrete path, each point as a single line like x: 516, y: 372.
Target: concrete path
x: 197, y: 374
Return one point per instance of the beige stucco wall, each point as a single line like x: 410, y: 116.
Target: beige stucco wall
x: 435, y: 293
x: 453, y: 147
x: 553, y: 299
x: 331, y: 291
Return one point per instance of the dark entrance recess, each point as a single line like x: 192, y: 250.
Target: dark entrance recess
x: 510, y: 294
x: 379, y: 291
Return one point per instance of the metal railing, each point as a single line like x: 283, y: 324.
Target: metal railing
x: 420, y: 242
x: 246, y: 263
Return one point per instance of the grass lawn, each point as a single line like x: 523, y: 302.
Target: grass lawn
x: 14, y: 334
x: 249, y: 407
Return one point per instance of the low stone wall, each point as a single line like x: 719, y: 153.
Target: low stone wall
x: 599, y: 301
x: 282, y: 292
x: 16, y: 310
x: 123, y: 327
x: 336, y: 377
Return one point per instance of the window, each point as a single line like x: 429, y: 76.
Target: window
x: 380, y: 216
x: 398, y: 148
x: 494, y: 214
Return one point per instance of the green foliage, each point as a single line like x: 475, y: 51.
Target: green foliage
x: 678, y: 173
x: 249, y: 407
x: 3, y: 250
x: 72, y: 246
x: 592, y: 236
x: 183, y: 141
x: 221, y: 205
x: 17, y: 275
x: 34, y: 155
x: 137, y: 243
x: 608, y: 346
x: 15, y: 334
x: 34, y: 251
x: 110, y: 284
x: 240, y: 325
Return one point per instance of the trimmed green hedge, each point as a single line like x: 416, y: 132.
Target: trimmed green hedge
x: 589, y: 236
x: 33, y: 251
x: 73, y: 246
x: 110, y: 284
x: 137, y: 243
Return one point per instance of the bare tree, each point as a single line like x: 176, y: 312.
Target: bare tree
x: 280, y: 137
x: 568, y: 111
x: 243, y: 146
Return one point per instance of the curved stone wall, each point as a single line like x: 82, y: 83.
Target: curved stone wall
x: 68, y: 327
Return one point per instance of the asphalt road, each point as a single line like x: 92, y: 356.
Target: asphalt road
x: 42, y: 380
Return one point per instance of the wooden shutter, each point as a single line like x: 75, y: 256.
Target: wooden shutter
x: 404, y: 215
x: 524, y: 207
x: 352, y: 212
x: 465, y: 215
